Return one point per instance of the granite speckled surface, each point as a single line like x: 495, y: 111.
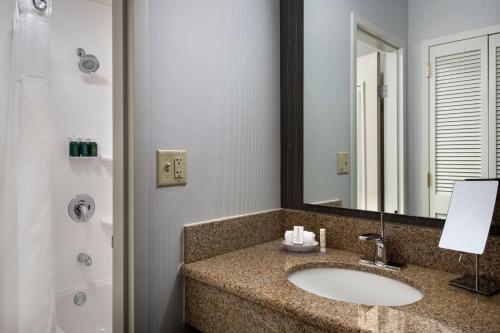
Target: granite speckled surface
x: 212, y: 310
x: 208, y: 239
x: 258, y: 275
x: 408, y: 244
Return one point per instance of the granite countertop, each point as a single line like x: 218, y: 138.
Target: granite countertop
x: 259, y: 274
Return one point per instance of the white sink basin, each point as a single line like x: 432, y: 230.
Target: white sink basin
x: 355, y: 286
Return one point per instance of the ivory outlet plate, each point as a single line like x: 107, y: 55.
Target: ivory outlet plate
x: 171, y: 167
x: 342, y: 163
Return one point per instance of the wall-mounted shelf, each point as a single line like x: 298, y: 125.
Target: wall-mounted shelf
x: 107, y: 221
x: 84, y: 157
x: 106, y: 158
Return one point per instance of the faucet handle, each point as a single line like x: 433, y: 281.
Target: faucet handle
x: 84, y: 212
x: 370, y: 237
x: 382, y: 225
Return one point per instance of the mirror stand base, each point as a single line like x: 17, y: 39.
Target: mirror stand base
x: 478, y: 284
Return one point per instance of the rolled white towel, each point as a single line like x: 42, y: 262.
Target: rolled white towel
x: 309, y: 237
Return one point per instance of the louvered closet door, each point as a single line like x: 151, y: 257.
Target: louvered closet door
x: 494, y: 70
x: 458, y: 97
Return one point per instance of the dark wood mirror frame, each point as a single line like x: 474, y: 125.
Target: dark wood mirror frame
x: 292, y: 126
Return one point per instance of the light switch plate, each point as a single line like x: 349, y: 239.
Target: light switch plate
x: 342, y: 163
x: 171, y: 167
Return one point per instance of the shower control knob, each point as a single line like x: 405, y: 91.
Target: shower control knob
x: 81, y: 208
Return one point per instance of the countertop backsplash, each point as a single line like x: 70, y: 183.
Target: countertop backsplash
x: 408, y: 244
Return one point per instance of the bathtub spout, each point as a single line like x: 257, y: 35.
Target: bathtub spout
x: 85, y: 259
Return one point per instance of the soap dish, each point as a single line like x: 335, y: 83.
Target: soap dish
x: 300, y: 248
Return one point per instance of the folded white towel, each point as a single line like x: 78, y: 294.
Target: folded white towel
x: 309, y: 237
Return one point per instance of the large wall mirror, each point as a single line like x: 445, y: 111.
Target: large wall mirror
x: 401, y: 98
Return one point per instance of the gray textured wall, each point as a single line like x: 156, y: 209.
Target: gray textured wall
x: 327, y: 51
x: 429, y: 19
x: 215, y: 92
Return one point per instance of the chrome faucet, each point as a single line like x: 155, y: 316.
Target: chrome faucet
x: 380, y: 257
x: 84, y: 258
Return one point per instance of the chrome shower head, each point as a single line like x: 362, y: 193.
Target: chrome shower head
x: 88, y: 63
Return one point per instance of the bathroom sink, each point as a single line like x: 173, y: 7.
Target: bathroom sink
x: 355, y: 286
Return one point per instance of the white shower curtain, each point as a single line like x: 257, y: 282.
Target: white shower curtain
x: 26, y: 250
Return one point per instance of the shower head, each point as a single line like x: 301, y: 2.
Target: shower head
x: 88, y: 63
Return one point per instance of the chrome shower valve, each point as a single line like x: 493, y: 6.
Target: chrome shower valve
x: 81, y: 208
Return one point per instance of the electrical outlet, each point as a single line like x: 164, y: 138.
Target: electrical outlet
x: 342, y: 163
x: 170, y: 167
x: 179, y: 166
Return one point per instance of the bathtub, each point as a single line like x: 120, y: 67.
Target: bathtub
x: 93, y: 316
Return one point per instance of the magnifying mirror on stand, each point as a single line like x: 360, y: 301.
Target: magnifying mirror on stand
x: 467, y: 227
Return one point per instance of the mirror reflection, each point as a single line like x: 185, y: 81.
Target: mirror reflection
x: 401, y: 99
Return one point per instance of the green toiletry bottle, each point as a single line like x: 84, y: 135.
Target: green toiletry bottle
x: 93, y: 148
x: 84, y: 148
x: 74, y: 147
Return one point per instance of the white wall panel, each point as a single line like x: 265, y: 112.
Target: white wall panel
x: 82, y: 105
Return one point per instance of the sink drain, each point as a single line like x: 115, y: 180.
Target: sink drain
x: 80, y: 298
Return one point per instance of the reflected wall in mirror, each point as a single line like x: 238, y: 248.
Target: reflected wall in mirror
x: 401, y: 99
x: 377, y: 179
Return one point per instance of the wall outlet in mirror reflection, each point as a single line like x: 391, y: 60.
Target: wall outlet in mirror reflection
x: 469, y: 216
x: 342, y: 163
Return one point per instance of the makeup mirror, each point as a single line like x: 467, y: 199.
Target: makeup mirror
x: 469, y: 216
